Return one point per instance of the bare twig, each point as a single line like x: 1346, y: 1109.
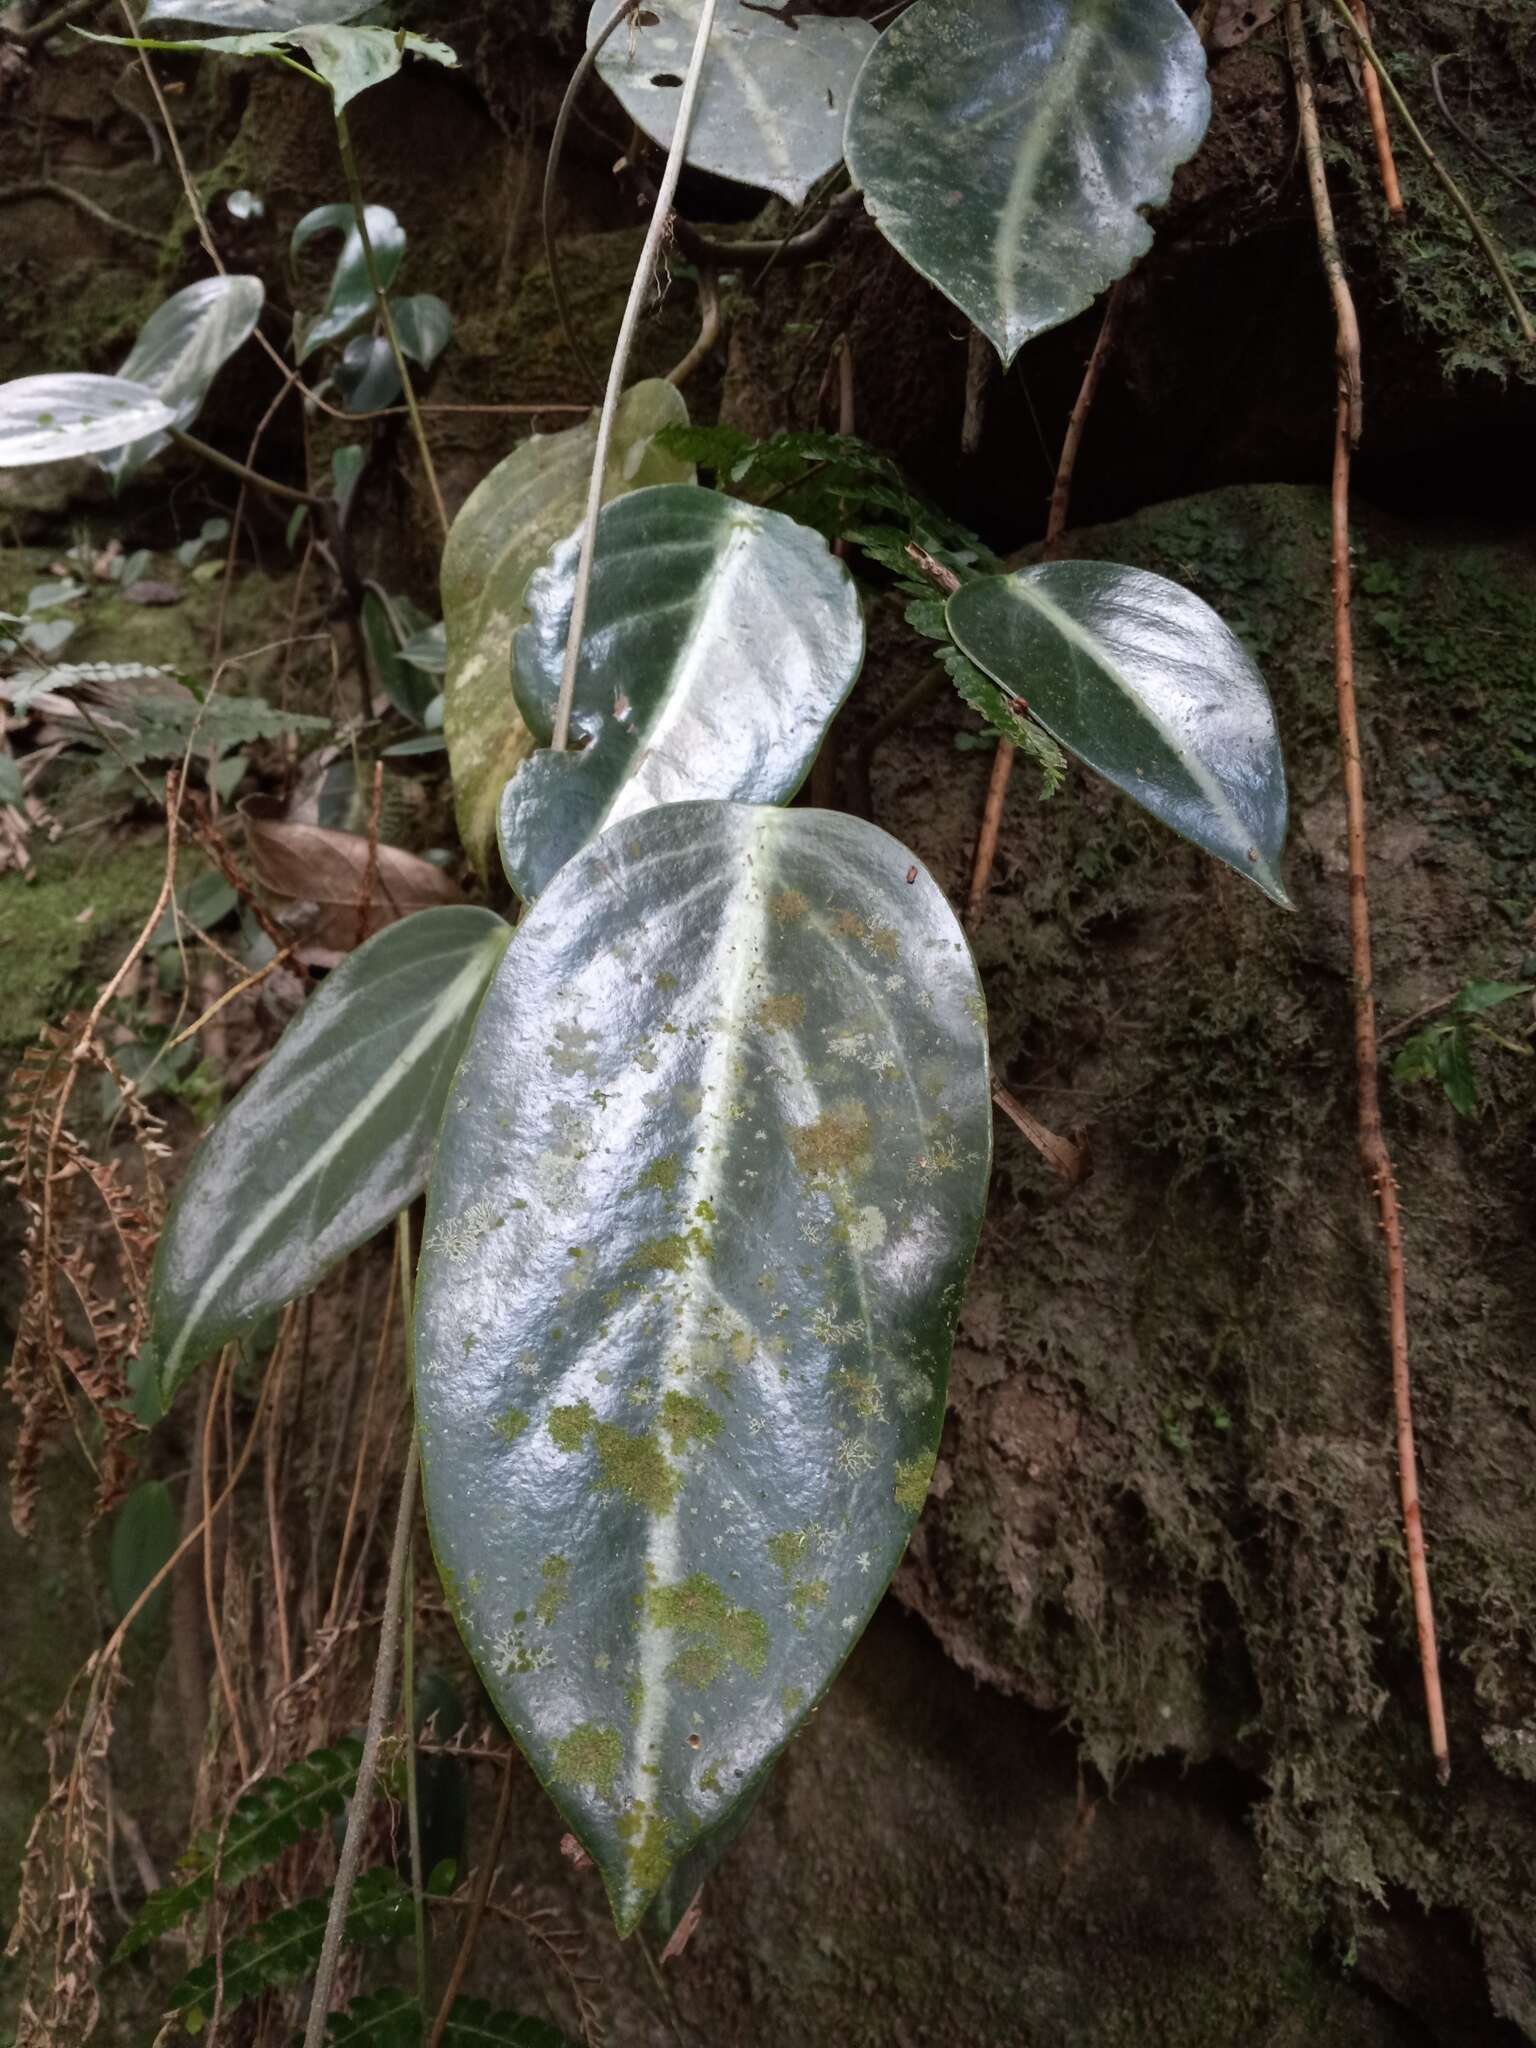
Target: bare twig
x: 709, y: 329
x: 1373, y: 1146
x: 1381, y: 135
x: 50, y: 188
x: 637, y: 294
x: 1060, y: 1154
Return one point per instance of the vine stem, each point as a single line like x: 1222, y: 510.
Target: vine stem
x: 1374, y: 1154
x: 381, y: 297
x: 218, y: 460
x: 1381, y: 134
x: 654, y: 236
x: 390, y: 1630
x: 1458, y: 198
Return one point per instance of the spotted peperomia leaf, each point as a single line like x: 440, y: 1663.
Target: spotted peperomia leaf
x: 700, y: 1220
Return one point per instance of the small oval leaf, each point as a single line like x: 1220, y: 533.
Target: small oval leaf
x: 1007, y: 150
x: 505, y: 528
x: 687, y: 1298
x: 1145, y: 683
x: 721, y: 639
x: 56, y: 418
x: 181, y: 348
x: 773, y: 98
x: 330, y: 1140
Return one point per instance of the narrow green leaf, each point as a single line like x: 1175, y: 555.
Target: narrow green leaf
x: 401, y: 681
x: 773, y: 97
x: 144, y: 1534
x: 57, y: 417
x: 687, y: 1298
x: 350, y: 60
x: 331, y: 1139
x: 180, y: 349
x: 286, y: 1947
x: 350, y: 298
x: 504, y: 530
x: 1453, y: 1063
x: 1008, y: 151
x: 12, y: 790
x: 720, y: 641
x: 269, y: 1819
x: 1480, y: 996
x: 1141, y: 680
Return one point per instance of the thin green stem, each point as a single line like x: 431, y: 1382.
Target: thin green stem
x: 1463, y: 205
x: 660, y: 213
x: 381, y: 297
x: 287, y: 492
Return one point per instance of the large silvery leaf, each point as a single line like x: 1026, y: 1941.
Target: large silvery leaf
x: 720, y: 640
x: 349, y: 60
x: 331, y: 1139
x: 350, y: 298
x: 1139, y: 678
x: 506, y: 527
x: 773, y: 98
x: 54, y: 418
x: 688, y: 1289
x: 181, y: 348
x: 1007, y: 147
x: 260, y: 14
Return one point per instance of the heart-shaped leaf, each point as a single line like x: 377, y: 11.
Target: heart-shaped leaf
x: 1142, y: 680
x: 688, y: 1290
x: 350, y: 298
x: 773, y: 97
x: 330, y: 1140
x: 1007, y: 150
x: 423, y: 324
x: 181, y: 348
x: 366, y: 377
x: 721, y: 638
x: 54, y: 418
x: 505, y: 528
x: 349, y: 60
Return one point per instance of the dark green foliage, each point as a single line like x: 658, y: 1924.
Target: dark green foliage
x: 286, y: 1947
x: 264, y: 1823
x: 379, y: 2019
x: 472, y: 2022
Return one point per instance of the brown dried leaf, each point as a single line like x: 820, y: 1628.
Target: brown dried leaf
x: 312, y: 865
x: 1237, y: 20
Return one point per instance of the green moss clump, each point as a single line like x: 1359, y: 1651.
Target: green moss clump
x: 510, y: 1424
x: 557, y: 1589
x: 787, y: 1549
x: 808, y: 1594
x: 837, y: 1142
x: 912, y: 1480
x: 635, y: 1466
x: 646, y: 1833
x: 716, y: 1633
x: 589, y: 1755
x: 688, y: 1421
x: 661, y: 1173
x: 569, y: 1427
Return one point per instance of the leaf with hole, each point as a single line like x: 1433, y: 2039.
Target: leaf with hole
x: 55, y: 418
x: 1141, y: 680
x: 349, y: 60
x: 773, y: 97
x: 267, y: 1820
x: 350, y: 298
x: 180, y: 349
x: 721, y: 639
x: 504, y: 530
x: 1008, y: 151
x: 329, y: 1141
x: 687, y: 1296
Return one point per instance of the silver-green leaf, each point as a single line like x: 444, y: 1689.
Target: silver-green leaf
x: 1143, y: 681
x: 332, y: 1138
x: 774, y: 94
x: 505, y: 528
x: 348, y: 60
x: 721, y: 639
x: 56, y: 417
x: 698, y: 1231
x: 180, y: 349
x: 1007, y: 149
x: 259, y: 14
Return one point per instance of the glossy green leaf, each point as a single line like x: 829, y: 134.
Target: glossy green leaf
x: 269, y: 1819
x: 55, y: 418
x: 350, y: 60
x: 424, y: 325
x: 330, y: 1140
x: 401, y: 681
x: 287, y: 1947
x: 350, y: 298
x: 506, y: 527
x: 1140, y: 679
x: 144, y: 1535
x: 721, y: 639
x: 687, y: 1296
x: 773, y: 98
x: 366, y: 378
x: 180, y: 349
x: 1007, y: 150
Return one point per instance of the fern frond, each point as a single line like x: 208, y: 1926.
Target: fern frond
x: 286, y: 1947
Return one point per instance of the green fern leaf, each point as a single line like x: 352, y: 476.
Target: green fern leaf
x: 379, y: 2019
x: 472, y: 2024
x: 287, y: 1946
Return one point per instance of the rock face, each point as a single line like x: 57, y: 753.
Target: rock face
x: 1165, y: 1518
